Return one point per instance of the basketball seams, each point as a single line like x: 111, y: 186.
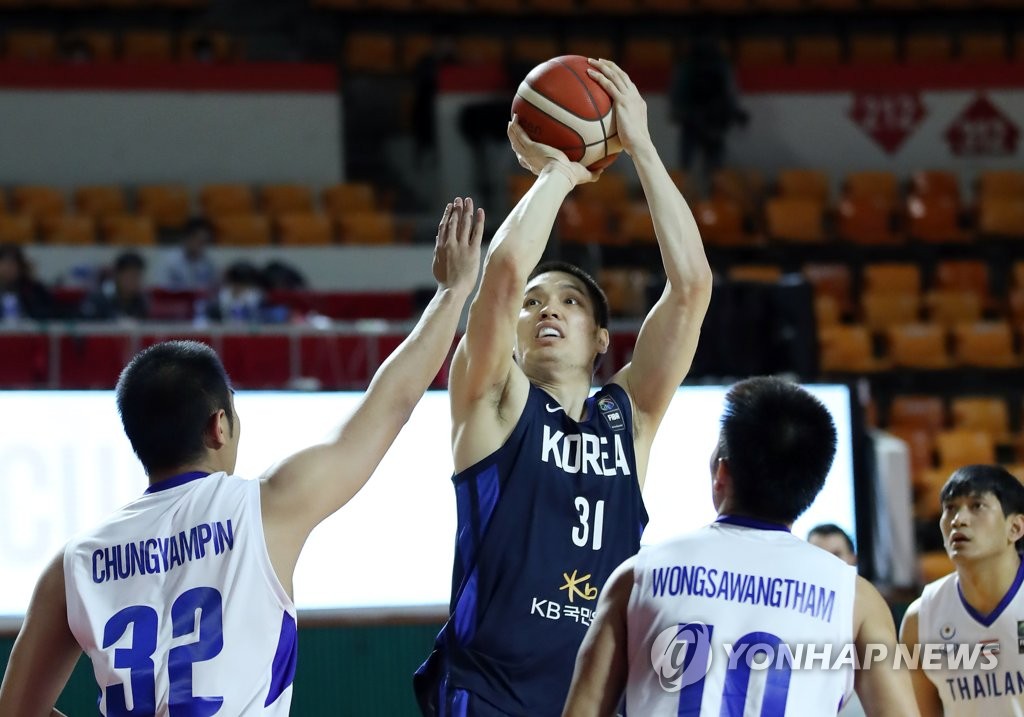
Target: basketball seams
x: 590, y: 96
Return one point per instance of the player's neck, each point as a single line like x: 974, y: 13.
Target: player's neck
x: 203, y: 466
x: 570, y: 392
x: 985, y: 582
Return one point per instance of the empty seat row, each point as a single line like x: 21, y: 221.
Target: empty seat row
x: 129, y: 46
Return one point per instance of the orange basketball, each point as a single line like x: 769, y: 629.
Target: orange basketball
x: 560, y: 105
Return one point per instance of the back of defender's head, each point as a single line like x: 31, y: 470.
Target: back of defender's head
x: 977, y: 480
x: 167, y: 396
x: 779, y: 442
x: 594, y: 291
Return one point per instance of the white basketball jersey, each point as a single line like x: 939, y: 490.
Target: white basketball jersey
x: 175, y: 601
x: 740, y: 618
x: 988, y: 678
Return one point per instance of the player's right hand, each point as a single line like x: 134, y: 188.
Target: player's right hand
x: 457, y: 245
x: 536, y: 157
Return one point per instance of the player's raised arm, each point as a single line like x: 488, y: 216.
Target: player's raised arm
x: 45, y: 652
x: 307, y: 487
x: 883, y: 690
x: 483, y: 360
x: 602, y: 664
x: 668, y: 338
x: 928, y: 701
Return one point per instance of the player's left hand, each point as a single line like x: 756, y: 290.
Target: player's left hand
x: 630, y: 107
x: 537, y: 157
x: 457, y: 245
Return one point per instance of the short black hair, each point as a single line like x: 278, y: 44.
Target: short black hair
x: 594, y: 291
x: 129, y: 260
x: 779, y: 442
x: 198, y: 224
x: 976, y: 480
x: 166, y: 395
x: 827, y: 529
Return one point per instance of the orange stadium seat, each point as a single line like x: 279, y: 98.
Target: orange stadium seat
x: 922, y: 48
x: 17, y: 229
x: 879, y: 185
x: 371, y: 52
x: 340, y: 199
x: 892, y: 276
x: 304, y: 228
x: 647, y: 51
x: 612, y: 191
x: 920, y: 445
x: 532, y: 49
x: 847, y: 349
x: 873, y: 49
x: 833, y: 280
x: 925, y: 412
x: 242, y: 228
x: 757, y: 273
x: 887, y: 309
x: 684, y: 183
x: 720, y: 222
x: 985, y: 344
x: 68, y: 229
x: 581, y: 222
x: 964, y: 275
x: 817, y: 50
x: 626, y: 290
x: 826, y: 311
x: 480, y: 49
x: 804, y: 184
x: 866, y: 220
x: 952, y: 306
x: 935, y: 182
x: 99, y: 201
x: 746, y: 187
x: 129, y: 230
x: 918, y: 346
x: 934, y: 564
x: 147, y: 46
x: 31, y: 46
x: 168, y: 205
x: 367, y: 228
x: 1001, y: 184
x: 960, y: 446
x: 983, y: 47
x: 278, y: 199
x: 38, y: 201
x: 1001, y: 218
x: 216, y: 199
x: 934, y: 219
x: 982, y: 413
x: 413, y: 48
x: 751, y: 51
x: 795, y: 220
x: 637, y: 224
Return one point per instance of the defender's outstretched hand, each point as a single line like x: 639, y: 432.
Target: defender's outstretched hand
x: 457, y: 246
x: 630, y: 107
x: 535, y: 156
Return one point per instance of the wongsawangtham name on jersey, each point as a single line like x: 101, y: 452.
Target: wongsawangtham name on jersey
x: 785, y: 593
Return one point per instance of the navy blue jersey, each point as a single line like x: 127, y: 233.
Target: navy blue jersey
x: 542, y: 523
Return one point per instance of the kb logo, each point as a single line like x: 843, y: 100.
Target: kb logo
x: 681, y: 655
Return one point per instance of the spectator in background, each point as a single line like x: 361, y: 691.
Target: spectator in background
x: 705, y: 104
x: 190, y: 268
x: 833, y: 539
x: 242, y: 298
x: 21, y: 296
x: 120, y: 296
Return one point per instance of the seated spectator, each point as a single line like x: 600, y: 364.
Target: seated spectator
x: 21, y: 296
x: 189, y: 267
x: 241, y: 298
x: 121, y: 296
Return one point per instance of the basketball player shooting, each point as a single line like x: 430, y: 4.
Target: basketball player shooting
x: 183, y: 598
x: 548, y: 476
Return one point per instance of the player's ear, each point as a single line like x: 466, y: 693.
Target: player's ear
x: 1016, y: 526
x: 217, y: 429
x: 603, y: 341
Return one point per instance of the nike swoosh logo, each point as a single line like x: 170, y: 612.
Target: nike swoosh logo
x: 556, y: 409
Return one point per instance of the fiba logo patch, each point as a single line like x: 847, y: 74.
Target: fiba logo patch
x: 947, y: 631
x: 611, y: 413
x: 681, y: 655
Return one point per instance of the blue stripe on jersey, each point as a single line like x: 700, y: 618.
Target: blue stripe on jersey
x: 465, y: 610
x: 987, y: 620
x: 476, y: 499
x: 460, y: 705
x: 282, y: 671
x: 175, y: 481
x: 756, y: 523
